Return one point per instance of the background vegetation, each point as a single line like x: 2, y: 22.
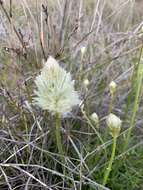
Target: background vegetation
x: 112, y: 33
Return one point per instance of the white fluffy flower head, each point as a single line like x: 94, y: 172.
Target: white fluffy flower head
x: 55, y: 89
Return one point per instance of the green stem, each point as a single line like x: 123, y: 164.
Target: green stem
x: 138, y: 72
x: 136, y: 82
x: 111, y: 103
x: 58, y: 137
x: 108, y: 169
x: 109, y: 111
x: 94, y: 129
x: 135, y: 106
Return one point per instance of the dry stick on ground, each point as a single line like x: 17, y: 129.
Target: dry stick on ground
x: 37, y: 28
x: 14, y: 28
x: 114, y: 58
x: 62, y: 23
x: 6, y: 178
x: 59, y: 174
x: 95, y: 14
x: 41, y: 35
x: 18, y: 167
x: 10, y: 9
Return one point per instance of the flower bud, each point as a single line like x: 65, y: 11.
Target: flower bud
x: 83, y: 50
x: 114, y: 124
x: 112, y: 87
x: 86, y: 82
x: 94, y: 117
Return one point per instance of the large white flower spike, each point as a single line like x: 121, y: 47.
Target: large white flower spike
x: 55, y: 89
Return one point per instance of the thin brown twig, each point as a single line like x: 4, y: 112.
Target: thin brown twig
x: 14, y: 28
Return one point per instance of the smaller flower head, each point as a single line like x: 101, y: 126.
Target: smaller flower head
x: 112, y: 87
x: 55, y: 89
x: 86, y: 82
x: 94, y: 117
x: 114, y: 124
x: 83, y: 50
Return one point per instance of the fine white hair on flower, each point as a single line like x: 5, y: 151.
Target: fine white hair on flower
x: 55, y: 89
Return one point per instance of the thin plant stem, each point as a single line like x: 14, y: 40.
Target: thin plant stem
x: 135, y: 83
x: 135, y: 106
x: 138, y: 74
x: 58, y: 137
x: 109, y: 168
x: 80, y: 172
x: 59, y: 143
x: 111, y: 103
x: 94, y: 129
